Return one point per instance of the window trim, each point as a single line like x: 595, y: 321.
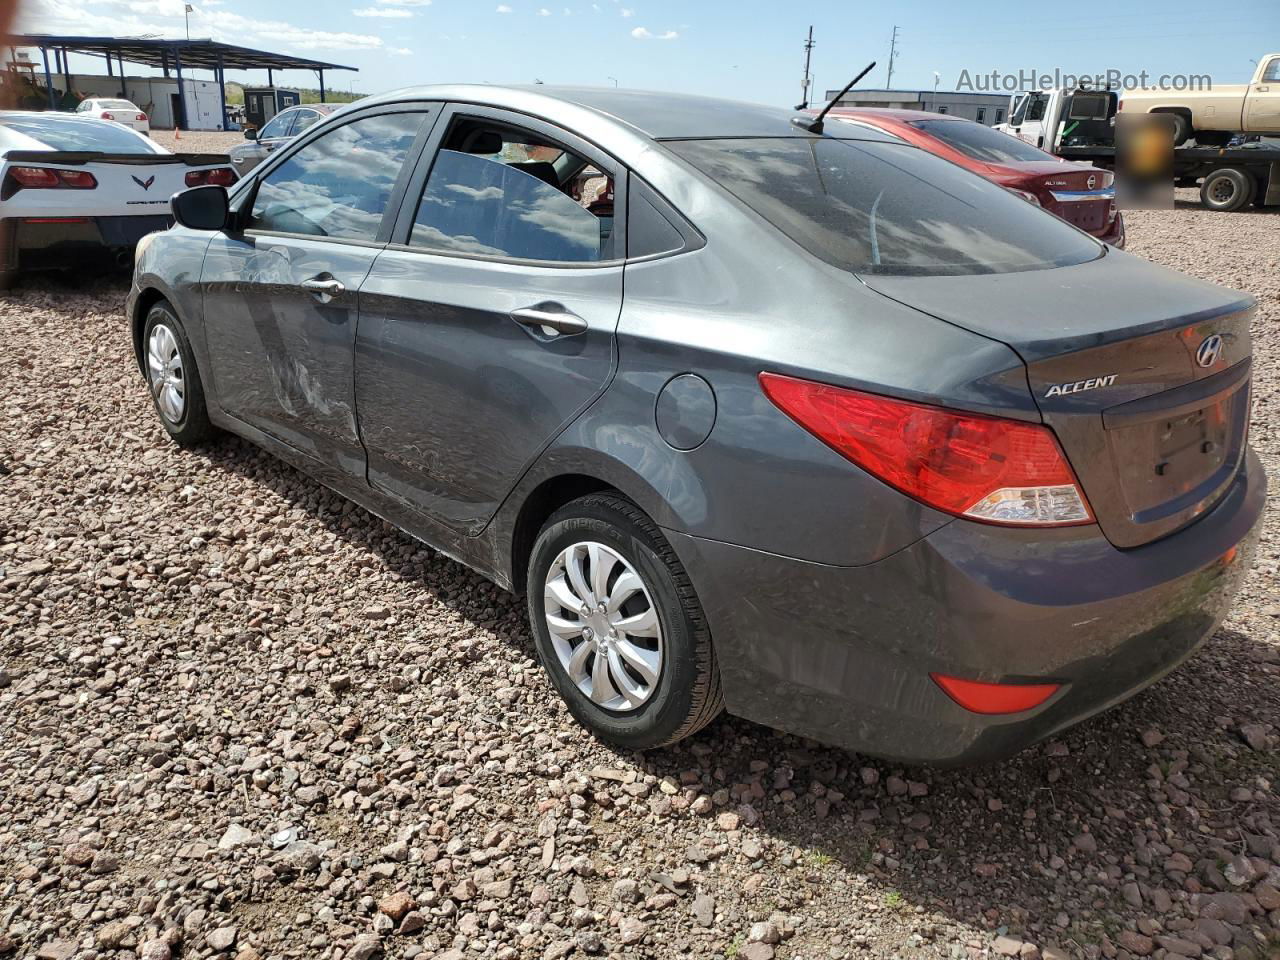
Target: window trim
x: 242, y: 201
x: 454, y: 110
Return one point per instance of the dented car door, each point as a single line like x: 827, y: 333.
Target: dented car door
x: 280, y: 291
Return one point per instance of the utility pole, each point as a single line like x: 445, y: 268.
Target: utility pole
x: 808, y: 80
x: 893, y: 49
x: 186, y: 14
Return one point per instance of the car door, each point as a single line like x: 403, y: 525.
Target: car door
x: 1262, y: 110
x: 280, y: 290
x: 488, y: 323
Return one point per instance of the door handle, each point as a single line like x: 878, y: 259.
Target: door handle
x: 323, y: 288
x: 551, y: 321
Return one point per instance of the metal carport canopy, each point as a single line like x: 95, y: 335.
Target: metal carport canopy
x: 206, y: 54
x: 156, y: 52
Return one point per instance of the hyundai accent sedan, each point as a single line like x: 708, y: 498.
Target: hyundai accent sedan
x: 815, y: 427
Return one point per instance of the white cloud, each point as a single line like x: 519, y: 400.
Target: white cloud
x: 544, y: 12
x: 164, y: 18
x: 627, y: 12
x: 643, y: 33
x: 401, y: 3
x: 389, y: 12
x: 503, y: 8
x: 400, y: 52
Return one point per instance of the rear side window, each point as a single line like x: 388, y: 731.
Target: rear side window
x: 887, y: 208
x: 80, y: 135
x: 981, y: 143
x: 475, y: 205
x: 339, y: 184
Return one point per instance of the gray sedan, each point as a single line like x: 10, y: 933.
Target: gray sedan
x: 276, y: 132
x: 803, y: 423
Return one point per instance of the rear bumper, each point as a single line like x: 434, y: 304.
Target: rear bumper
x: 843, y: 654
x: 57, y: 242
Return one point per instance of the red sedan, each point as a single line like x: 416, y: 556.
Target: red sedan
x: 1078, y: 193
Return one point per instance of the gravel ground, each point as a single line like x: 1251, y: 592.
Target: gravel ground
x: 241, y: 717
x: 197, y: 141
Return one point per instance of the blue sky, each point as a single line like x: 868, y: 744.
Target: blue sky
x: 749, y: 50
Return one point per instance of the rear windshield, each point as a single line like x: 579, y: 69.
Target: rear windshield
x: 981, y: 143
x: 79, y: 135
x: 887, y: 208
x: 116, y: 105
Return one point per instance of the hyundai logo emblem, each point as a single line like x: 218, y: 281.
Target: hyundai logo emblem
x: 1209, y: 352
x: 1091, y: 182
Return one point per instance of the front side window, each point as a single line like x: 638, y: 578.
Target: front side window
x: 886, y: 208
x: 278, y: 127
x: 496, y: 191
x: 305, y: 118
x: 1272, y: 74
x: 980, y: 142
x: 339, y: 184
x: 1035, y: 110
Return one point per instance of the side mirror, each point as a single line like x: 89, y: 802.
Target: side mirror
x: 251, y: 134
x: 202, y: 208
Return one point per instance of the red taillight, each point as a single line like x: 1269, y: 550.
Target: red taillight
x: 978, y: 697
x: 983, y: 468
x: 219, y: 176
x: 78, y: 179
x: 34, y: 177
x: 106, y: 116
x: 43, y: 178
x: 141, y: 117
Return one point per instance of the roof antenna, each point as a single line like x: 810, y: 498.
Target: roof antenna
x: 815, y: 125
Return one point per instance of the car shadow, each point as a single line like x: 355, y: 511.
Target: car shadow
x: 1043, y: 844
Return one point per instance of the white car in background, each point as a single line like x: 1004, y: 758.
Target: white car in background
x: 121, y: 111
x: 75, y: 190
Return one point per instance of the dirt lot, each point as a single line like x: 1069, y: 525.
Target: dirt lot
x: 240, y: 716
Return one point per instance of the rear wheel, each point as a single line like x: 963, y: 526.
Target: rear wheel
x: 618, y: 626
x: 1181, y: 128
x: 173, y: 379
x: 1227, y: 189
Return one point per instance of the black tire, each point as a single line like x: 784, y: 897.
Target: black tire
x: 1181, y: 128
x: 1227, y: 189
x: 686, y: 696
x: 192, y: 426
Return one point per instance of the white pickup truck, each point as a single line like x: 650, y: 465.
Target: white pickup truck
x: 1211, y: 116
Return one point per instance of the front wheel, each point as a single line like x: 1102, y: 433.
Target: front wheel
x: 172, y: 378
x: 618, y: 626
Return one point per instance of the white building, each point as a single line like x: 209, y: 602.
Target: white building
x: 988, y: 108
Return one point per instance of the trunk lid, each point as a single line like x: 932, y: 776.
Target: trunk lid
x: 1115, y: 352
x: 1081, y: 195
x: 128, y: 183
